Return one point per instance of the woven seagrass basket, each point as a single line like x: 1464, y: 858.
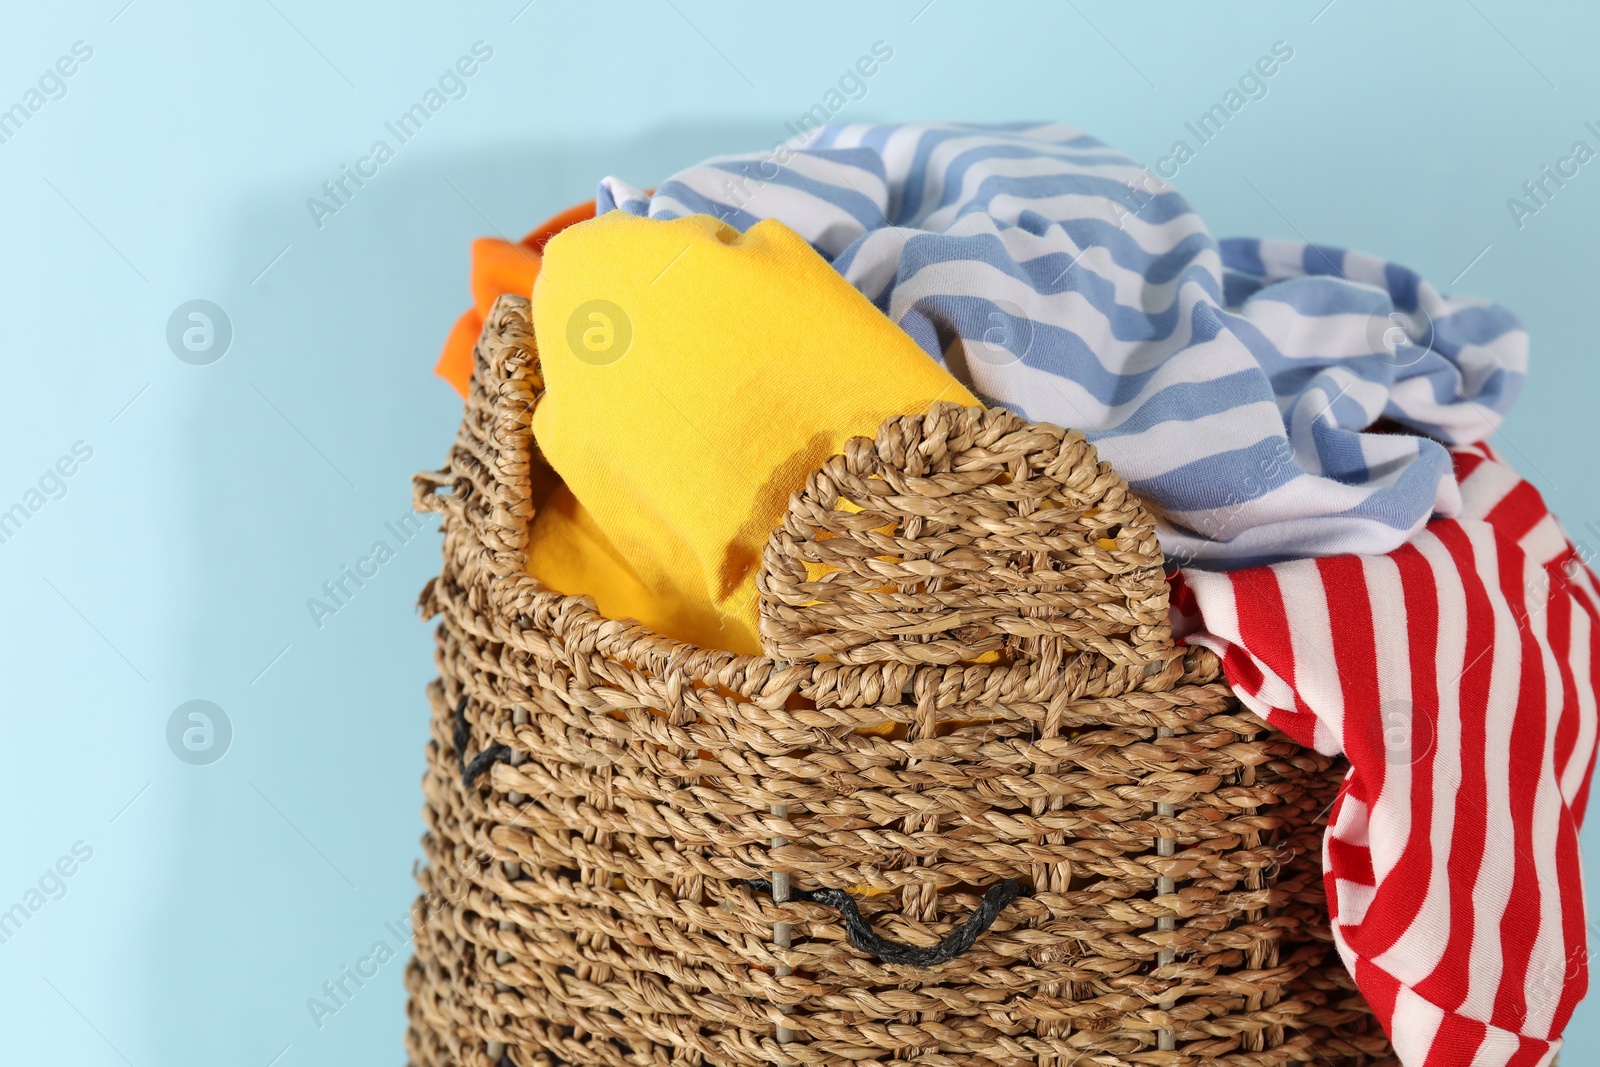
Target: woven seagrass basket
x: 976, y: 809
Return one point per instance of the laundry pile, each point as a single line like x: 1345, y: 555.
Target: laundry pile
x: 1307, y: 425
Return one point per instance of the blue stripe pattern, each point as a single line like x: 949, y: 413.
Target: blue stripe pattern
x: 1267, y: 399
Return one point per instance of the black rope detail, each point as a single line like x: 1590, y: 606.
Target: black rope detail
x: 863, y: 937
x: 480, y: 762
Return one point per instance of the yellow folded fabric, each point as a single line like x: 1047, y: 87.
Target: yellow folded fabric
x: 694, y: 376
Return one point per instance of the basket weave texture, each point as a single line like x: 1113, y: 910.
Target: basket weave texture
x: 971, y: 680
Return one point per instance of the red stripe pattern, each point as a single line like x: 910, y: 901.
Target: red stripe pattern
x: 1458, y: 674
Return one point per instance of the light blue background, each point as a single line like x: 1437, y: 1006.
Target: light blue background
x: 179, y: 562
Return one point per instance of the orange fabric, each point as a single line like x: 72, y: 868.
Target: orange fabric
x: 498, y: 267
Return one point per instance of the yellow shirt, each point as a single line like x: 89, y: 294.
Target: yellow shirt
x: 694, y: 376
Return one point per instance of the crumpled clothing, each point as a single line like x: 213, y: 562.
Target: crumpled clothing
x: 1458, y: 674
x: 1249, y: 390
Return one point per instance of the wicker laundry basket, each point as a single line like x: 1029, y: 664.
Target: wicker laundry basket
x: 978, y: 810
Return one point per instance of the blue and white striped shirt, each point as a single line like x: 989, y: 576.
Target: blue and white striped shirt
x: 1267, y: 399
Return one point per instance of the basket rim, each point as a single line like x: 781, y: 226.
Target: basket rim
x: 502, y: 396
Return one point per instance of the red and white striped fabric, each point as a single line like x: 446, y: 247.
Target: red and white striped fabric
x: 1458, y: 674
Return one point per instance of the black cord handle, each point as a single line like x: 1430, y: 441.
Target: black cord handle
x: 865, y: 938
x: 480, y: 762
